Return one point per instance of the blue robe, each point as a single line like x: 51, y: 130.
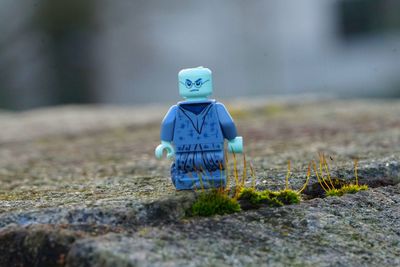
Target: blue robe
x: 197, y: 130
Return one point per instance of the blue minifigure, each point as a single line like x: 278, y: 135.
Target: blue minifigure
x: 194, y: 131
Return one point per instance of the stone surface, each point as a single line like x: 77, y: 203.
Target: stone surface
x: 359, y: 230
x: 81, y: 184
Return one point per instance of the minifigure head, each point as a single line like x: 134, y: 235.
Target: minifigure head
x: 195, y: 83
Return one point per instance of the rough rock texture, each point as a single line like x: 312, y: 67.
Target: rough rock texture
x: 79, y: 186
x: 361, y: 229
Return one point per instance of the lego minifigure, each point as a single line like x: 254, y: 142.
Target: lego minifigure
x: 193, y: 131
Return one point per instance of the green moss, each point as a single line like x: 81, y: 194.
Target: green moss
x: 251, y: 195
x: 334, y: 193
x: 346, y: 189
x: 288, y: 197
x: 214, y: 202
x: 270, y: 198
x: 352, y: 188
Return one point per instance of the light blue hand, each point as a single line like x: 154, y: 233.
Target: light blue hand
x: 167, y: 146
x: 236, y: 145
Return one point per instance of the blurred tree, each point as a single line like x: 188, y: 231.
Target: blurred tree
x: 68, y: 26
x: 368, y: 17
x: 5, y: 99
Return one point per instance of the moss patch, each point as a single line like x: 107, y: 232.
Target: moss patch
x: 250, y: 198
x: 219, y: 202
x: 287, y: 196
x: 346, y: 189
x: 213, y: 202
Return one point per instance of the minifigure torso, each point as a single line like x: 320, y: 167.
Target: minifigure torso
x: 197, y: 127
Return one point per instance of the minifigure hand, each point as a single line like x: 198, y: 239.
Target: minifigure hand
x: 160, y: 149
x: 236, y: 145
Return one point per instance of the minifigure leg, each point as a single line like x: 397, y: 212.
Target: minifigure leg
x: 198, y: 170
x: 193, y: 181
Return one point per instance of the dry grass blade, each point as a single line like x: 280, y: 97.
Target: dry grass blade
x: 235, y: 170
x: 287, y: 176
x: 355, y: 170
x: 244, y: 178
x: 253, y: 176
x: 327, y: 170
x: 228, y: 178
x: 194, y: 186
x: 200, y: 180
x: 321, y: 160
x: 318, y: 178
x: 220, y: 174
x: 307, y: 179
x: 208, y: 177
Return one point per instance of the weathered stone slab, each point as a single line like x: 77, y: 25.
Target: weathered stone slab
x: 355, y: 230
x: 89, y: 173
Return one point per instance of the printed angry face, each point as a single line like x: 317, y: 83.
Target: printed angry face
x: 195, y: 83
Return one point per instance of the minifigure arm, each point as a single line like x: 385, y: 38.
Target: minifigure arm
x: 228, y: 127
x: 167, y: 134
x: 168, y: 124
x: 225, y: 120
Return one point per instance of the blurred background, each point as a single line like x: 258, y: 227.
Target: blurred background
x: 56, y: 52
